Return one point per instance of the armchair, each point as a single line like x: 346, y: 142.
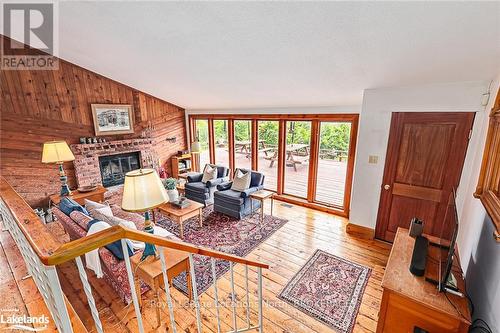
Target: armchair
x: 204, y: 192
x: 237, y: 204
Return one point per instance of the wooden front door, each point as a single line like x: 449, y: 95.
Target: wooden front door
x: 425, y: 156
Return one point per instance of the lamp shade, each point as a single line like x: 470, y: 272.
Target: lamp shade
x: 56, y: 152
x: 143, y: 190
x: 195, y: 147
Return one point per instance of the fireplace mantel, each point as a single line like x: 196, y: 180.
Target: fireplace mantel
x: 87, y: 157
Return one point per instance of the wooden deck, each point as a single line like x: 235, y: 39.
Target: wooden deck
x: 331, y: 176
x: 286, y: 251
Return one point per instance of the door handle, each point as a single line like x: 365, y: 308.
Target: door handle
x: 387, y: 186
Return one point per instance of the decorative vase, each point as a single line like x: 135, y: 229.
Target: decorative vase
x: 173, y: 195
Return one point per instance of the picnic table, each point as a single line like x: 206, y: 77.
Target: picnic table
x: 296, y: 153
x: 340, y: 155
x: 245, y: 147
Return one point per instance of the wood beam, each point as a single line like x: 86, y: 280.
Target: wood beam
x: 313, y: 161
x: 255, y: 145
x: 211, y: 140
x: 281, y: 156
x: 230, y: 140
x: 350, y: 163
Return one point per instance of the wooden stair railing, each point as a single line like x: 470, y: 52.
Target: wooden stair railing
x: 42, y: 252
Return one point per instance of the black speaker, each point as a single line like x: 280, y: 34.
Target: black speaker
x: 416, y: 227
x: 417, y: 329
x: 419, y: 257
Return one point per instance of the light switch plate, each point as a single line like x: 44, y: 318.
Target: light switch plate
x: 373, y: 159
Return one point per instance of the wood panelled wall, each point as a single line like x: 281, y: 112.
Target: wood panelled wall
x: 39, y: 106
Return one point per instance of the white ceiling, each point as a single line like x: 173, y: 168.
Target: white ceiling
x: 265, y: 54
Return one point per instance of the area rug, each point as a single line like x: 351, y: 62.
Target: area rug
x: 329, y: 289
x: 223, y: 233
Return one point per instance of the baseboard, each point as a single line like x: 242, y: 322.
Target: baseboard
x: 360, y: 231
x: 312, y: 205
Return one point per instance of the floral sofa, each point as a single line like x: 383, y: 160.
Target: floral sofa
x: 114, y: 270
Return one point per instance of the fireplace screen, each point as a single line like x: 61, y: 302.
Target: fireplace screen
x: 114, y: 167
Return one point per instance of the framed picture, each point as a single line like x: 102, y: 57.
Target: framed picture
x: 112, y: 119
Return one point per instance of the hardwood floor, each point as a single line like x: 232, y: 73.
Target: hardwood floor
x: 286, y: 251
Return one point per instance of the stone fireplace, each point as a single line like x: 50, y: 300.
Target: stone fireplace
x: 106, y: 163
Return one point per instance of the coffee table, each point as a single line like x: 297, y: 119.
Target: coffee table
x: 151, y: 273
x: 180, y: 215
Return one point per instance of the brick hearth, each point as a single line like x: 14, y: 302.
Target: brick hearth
x: 87, y: 157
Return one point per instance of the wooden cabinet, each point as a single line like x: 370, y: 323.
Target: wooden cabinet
x: 184, y: 164
x: 409, y: 301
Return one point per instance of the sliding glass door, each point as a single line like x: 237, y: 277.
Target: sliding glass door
x: 267, y: 143
x: 297, y: 158
x: 202, y: 136
x: 243, y: 144
x: 334, y: 142
x: 307, y: 159
x: 221, y: 145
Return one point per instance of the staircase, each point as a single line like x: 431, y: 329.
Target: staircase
x: 42, y: 253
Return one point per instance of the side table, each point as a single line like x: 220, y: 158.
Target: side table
x: 150, y: 272
x: 261, y: 196
x: 94, y: 195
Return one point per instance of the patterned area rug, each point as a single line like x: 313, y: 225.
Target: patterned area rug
x: 223, y: 233
x: 328, y: 288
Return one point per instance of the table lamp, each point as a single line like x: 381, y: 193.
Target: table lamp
x: 58, y: 152
x: 195, y: 146
x: 143, y: 191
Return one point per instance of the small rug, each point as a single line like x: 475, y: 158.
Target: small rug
x: 223, y: 233
x: 329, y: 289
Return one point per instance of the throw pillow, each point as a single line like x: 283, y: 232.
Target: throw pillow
x: 102, y: 213
x: 92, y: 205
x: 162, y: 232
x: 241, y: 181
x: 67, y: 205
x: 116, y: 247
x: 125, y: 223
x: 113, y: 220
x: 129, y: 216
x: 210, y: 173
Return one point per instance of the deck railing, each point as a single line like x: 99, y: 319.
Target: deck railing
x: 42, y: 253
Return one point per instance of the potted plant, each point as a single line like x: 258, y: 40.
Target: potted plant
x: 170, y: 185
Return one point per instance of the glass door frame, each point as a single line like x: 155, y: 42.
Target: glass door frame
x: 307, y: 195
x: 211, y: 140
x: 253, y: 129
x: 279, y: 174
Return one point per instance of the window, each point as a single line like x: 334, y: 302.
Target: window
x: 297, y: 157
x: 221, y: 142
x: 243, y: 144
x: 331, y: 177
x: 268, y: 152
x: 202, y: 137
x: 307, y: 159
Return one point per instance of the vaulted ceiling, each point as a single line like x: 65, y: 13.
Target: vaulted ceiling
x: 261, y: 54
